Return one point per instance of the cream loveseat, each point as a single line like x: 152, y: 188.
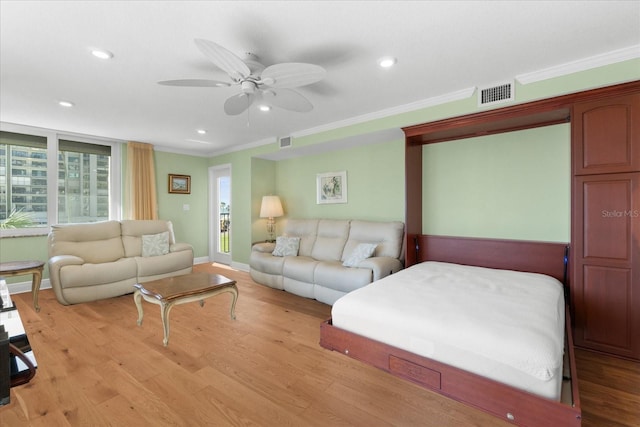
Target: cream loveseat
x: 93, y: 261
x: 315, y: 267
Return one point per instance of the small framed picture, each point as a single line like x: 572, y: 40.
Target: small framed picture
x: 179, y: 184
x: 331, y: 187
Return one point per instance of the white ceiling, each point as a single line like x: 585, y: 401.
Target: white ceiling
x: 442, y: 48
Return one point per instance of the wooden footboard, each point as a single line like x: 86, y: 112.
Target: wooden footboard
x: 503, y: 401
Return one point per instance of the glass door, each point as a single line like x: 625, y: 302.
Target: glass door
x: 220, y: 209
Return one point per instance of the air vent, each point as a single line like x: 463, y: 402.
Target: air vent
x: 496, y: 94
x: 285, y: 142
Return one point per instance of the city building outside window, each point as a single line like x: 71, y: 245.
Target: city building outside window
x: 37, y: 191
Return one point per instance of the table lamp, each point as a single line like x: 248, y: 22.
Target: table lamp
x: 271, y: 208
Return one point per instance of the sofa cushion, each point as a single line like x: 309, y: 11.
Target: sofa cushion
x: 72, y: 276
x: 359, y: 254
x: 95, y: 243
x: 286, y: 246
x: 332, y: 236
x: 155, y: 244
x: 306, y: 229
x: 335, y: 276
x: 163, y: 265
x: 387, y: 236
x: 299, y: 268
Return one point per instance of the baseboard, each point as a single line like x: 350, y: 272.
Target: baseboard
x: 240, y: 266
x: 22, y: 287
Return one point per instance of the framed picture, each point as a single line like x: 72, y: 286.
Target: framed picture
x: 179, y: 184
x: 331, y: 187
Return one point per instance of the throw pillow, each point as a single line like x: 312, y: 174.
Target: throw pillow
x: 286, y: 246
x: 360, y: 253
x: 155, y: 244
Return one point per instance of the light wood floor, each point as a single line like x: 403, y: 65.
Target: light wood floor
x: 96, y: 367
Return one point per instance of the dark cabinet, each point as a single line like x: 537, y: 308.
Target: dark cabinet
x: 605, y: 238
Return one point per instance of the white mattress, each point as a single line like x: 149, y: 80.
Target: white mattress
x: 501, y: 324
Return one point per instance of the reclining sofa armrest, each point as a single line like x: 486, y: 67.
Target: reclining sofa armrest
x: 55, y: 265
x: 178, y: 247
x: 381, y: 266
x: 263, y: 247
x: 60, y: 261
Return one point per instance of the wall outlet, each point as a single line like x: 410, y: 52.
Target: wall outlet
x: 186, y: 207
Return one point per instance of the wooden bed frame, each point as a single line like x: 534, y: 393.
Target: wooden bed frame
x: 506, y: 402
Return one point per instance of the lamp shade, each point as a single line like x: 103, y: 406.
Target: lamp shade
x: 271, y: 207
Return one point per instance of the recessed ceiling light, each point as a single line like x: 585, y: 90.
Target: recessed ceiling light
x: 264, y: 108
x: 387, y: 61
x: 65, y: 104
x: 201, y: 131
x: 102, y: 54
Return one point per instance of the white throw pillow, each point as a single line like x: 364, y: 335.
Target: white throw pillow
x: 359, y: 254
x: 155, y: 244
x: 286, y: 246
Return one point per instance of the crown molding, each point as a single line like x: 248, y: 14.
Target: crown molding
x: 243, y: 147
x: 406, y: 108
x: 615, y: 56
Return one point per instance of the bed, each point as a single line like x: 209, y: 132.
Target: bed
x: 520, y: 367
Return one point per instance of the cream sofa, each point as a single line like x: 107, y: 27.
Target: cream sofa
x: 93, y: 261
x: 317, y: 271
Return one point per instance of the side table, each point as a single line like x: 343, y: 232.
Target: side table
x: 19, y: 268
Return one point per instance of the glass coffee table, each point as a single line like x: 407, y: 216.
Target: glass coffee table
x: 175, y: 290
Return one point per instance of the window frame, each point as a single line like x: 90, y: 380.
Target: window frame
x: 115, y: 175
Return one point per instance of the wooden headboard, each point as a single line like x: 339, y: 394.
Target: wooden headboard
x: 521, y: 255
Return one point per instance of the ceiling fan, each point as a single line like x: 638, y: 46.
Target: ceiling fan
x: 271, y: 86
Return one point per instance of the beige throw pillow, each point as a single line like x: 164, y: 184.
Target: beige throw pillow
x: 359, y: 254
x: 286, y: 246
x: 155, y: 244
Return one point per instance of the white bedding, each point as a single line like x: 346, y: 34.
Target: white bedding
x: 501, y: 324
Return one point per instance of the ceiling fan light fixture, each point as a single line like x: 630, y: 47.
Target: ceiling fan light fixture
x: 387, y: 61
x: 248, y: 86
x: 102, y: 54
x: 66, y: 104
x: 201, y: 131
x: 264, y: 108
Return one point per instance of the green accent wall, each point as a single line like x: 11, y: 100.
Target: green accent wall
x: 512, y: 185
x: 375, y: 183
x: 21, y: 249
x: 190, y: 226
x: 264, y: 185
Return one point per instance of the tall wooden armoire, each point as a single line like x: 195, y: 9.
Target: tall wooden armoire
x: 605, y: 231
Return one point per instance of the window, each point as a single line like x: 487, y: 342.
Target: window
x: 55, y: 179
x: 83, y: 183
x: 15, y: 182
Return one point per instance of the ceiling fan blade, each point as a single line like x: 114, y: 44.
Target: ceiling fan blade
x: 292, y: 74
x: 287, y: 99
x: 194, y: 83
x: 236, y: 104
x: 224, y: 59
